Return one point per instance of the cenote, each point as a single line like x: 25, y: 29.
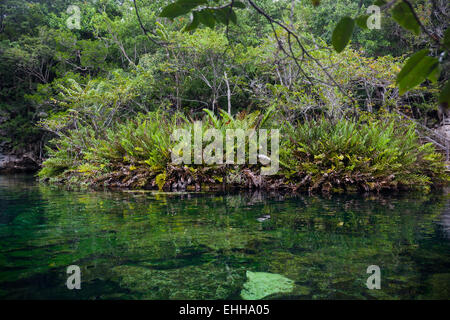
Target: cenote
x: 152, y: 245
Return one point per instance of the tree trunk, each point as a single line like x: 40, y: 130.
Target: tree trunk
x: 228, y: 92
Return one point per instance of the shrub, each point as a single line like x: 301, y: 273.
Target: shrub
x: 369, y: 154
x: 320, y: 154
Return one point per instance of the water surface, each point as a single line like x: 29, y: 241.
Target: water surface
x: 147, y: 245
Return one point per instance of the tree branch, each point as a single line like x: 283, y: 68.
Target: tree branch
x: 143, y: 28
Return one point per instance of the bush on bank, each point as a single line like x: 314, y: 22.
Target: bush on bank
x: 315, y: 155
x: 370, y: 154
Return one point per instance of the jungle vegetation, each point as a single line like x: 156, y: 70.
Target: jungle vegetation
x: 97, y: 102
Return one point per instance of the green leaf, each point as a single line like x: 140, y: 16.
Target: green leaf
x: 174, y: 10
x: 404, y: 16
x: 193, y: 3
x: 361, y: 21
x: 233, y: 17
x: 195, y: 22
x: 446, y: 40
x: 180, y: 7
x: 239, y: 5
x: 227, y: 15
x: 444, y: 97
x: 206, y: 17
x: 380, y: 3
x: 342, y: 33
x: 222, y: 15
x: 418, y: 67
x: 213, y: 118
x: 434, y: 75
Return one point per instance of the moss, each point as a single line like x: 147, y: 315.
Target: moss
x: 161, y: 180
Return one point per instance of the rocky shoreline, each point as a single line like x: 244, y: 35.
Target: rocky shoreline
x: 24, y: 163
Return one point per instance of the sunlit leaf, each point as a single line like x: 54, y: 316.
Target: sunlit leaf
x: 342, y: 33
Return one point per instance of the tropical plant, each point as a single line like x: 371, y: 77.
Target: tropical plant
x: 371, y: 154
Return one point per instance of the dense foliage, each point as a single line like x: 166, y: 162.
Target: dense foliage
x: 106, y: 96
x: 370, y: 154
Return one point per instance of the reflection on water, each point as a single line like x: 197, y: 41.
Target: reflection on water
x: 147, y: 245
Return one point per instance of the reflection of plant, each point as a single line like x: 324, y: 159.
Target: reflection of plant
x: 134, y: 240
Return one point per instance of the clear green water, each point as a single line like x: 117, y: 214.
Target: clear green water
x: 134, y: 245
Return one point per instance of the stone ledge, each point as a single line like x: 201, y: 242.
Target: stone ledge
x: 17, y: 164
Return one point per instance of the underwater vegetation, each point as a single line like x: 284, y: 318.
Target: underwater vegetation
x: 153, y: 245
